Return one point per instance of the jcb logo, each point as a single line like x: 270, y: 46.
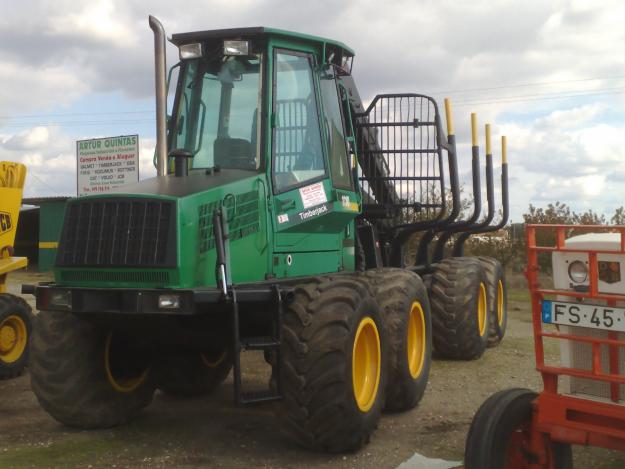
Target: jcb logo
x: 5, y: 222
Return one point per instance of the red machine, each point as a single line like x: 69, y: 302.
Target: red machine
x: 583, y: 401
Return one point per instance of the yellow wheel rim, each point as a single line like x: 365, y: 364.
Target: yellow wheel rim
x: 366, y: 364
x: 213, y: 361
x: 481, y: 309
x: 415, y: 346
x: 13, y: 339
x: 121, y: 384
x: 500, y: 311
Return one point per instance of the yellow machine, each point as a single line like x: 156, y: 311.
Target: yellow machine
x: 15, y: 313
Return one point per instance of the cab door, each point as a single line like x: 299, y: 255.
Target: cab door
x: 308, y: 222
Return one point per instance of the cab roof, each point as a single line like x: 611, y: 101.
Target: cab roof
x: 245, y: 33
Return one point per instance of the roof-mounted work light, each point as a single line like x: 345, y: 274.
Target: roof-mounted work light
x: 236, y: 48
x: 190, y: 51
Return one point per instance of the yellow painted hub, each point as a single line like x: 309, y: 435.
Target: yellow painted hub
x: 366, y: 364
x: 13, y: 339
x: 213, y: 360
x: 415, y: 345
x: 118, y: 381
x: 481, y: 309
x: 500, y: 311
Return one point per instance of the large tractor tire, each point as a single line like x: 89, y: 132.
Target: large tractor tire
x: 459, y: 305
x: 500, y: 435
x: 334, y: 369
x: 87, y: 376
x: 406, y: 312
x: 188, y: 374
x: 497, y: 299
x: 15, y: 331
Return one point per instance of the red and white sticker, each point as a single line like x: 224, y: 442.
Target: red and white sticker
x: 283, y: 218
x: 313, y: 195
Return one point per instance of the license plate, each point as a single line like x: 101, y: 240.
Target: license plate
x: 584, y: 315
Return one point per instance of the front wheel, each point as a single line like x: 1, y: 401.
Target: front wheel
x: 500, y: 435
x: 334, y: 350
x: 87, y: 376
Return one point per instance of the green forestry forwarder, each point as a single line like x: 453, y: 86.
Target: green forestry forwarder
x: 277, y: 222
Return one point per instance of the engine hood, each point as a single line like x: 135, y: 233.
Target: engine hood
x: 198, y: 180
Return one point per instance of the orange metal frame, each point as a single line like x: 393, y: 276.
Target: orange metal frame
x: 565, y: 418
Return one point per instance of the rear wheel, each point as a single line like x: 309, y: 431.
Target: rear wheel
x: 497, y: 299
x: 15, y: 330
x: 460, y: 315
x: 406, y: 312
x: 186, y: 373
x: 87, y: 376
x: 334, y: 365
x: 500, y: 435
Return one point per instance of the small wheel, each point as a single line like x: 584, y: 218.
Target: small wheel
x: 499, y: 437
x: 460, y: 315
x: 186, y: 373
x: 15, y: 330
x: 334, y: 356
x: 88, y: 376
x: 406, y: 311
x: 497, y: 299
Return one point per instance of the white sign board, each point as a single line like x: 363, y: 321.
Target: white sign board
x: 107, y: 163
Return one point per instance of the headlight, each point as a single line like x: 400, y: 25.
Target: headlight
x: 236, y: 48
x: 578, y: 272
x: 169, y: 302
x: 61, y: 299
x: 190, y: 51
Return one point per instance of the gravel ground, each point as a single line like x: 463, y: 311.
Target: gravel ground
x: 212, y: 432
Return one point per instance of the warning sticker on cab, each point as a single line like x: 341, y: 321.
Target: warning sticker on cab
x: 313, y: 195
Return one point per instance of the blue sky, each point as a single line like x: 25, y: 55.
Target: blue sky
x: 548, y: 74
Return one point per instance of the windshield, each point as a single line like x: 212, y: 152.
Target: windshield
x: 218, y: 112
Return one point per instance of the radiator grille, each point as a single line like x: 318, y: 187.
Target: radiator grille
x: 118, y: 232
x: 122, y: 276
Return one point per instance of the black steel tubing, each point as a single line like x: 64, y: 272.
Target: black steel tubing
x: 490, y: 198
x: 461, y: 225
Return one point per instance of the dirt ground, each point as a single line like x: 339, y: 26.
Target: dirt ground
x: 212, y: 432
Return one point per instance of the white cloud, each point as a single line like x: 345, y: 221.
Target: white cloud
x: 569, y: 150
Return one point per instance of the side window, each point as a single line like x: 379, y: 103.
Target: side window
x: 333, y: 120
x: 297, y: 150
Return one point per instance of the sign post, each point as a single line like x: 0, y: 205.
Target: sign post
x: 104, y: 164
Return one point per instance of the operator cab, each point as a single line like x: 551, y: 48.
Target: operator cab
x: 234, y: 83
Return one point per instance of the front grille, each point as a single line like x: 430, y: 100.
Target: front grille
x: 122, y: 276
x: 118, y: 232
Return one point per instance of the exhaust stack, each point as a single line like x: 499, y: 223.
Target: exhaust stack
x: 160, y: 69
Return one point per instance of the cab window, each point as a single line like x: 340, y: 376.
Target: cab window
x: 333, y: 120
x: 297, y: 148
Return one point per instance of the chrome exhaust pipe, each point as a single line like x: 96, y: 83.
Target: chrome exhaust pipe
x: 160, y: 69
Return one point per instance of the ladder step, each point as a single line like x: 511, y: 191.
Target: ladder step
x: 252, y: 397
x: 259, y: 343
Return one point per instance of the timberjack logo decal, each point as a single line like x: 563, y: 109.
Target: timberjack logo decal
x: 6, y: 224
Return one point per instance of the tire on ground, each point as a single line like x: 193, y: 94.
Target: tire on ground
x: 406, y: 311
x: 15, y: 330
x: 459, y: 308
x: 333, y: 395
x: 497, y: 299
x: 192, y: 373
x: 86, y: 376
x: 490, y: 443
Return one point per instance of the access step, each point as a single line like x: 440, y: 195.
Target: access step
x: 259, y: 343
x: 254, y: 397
